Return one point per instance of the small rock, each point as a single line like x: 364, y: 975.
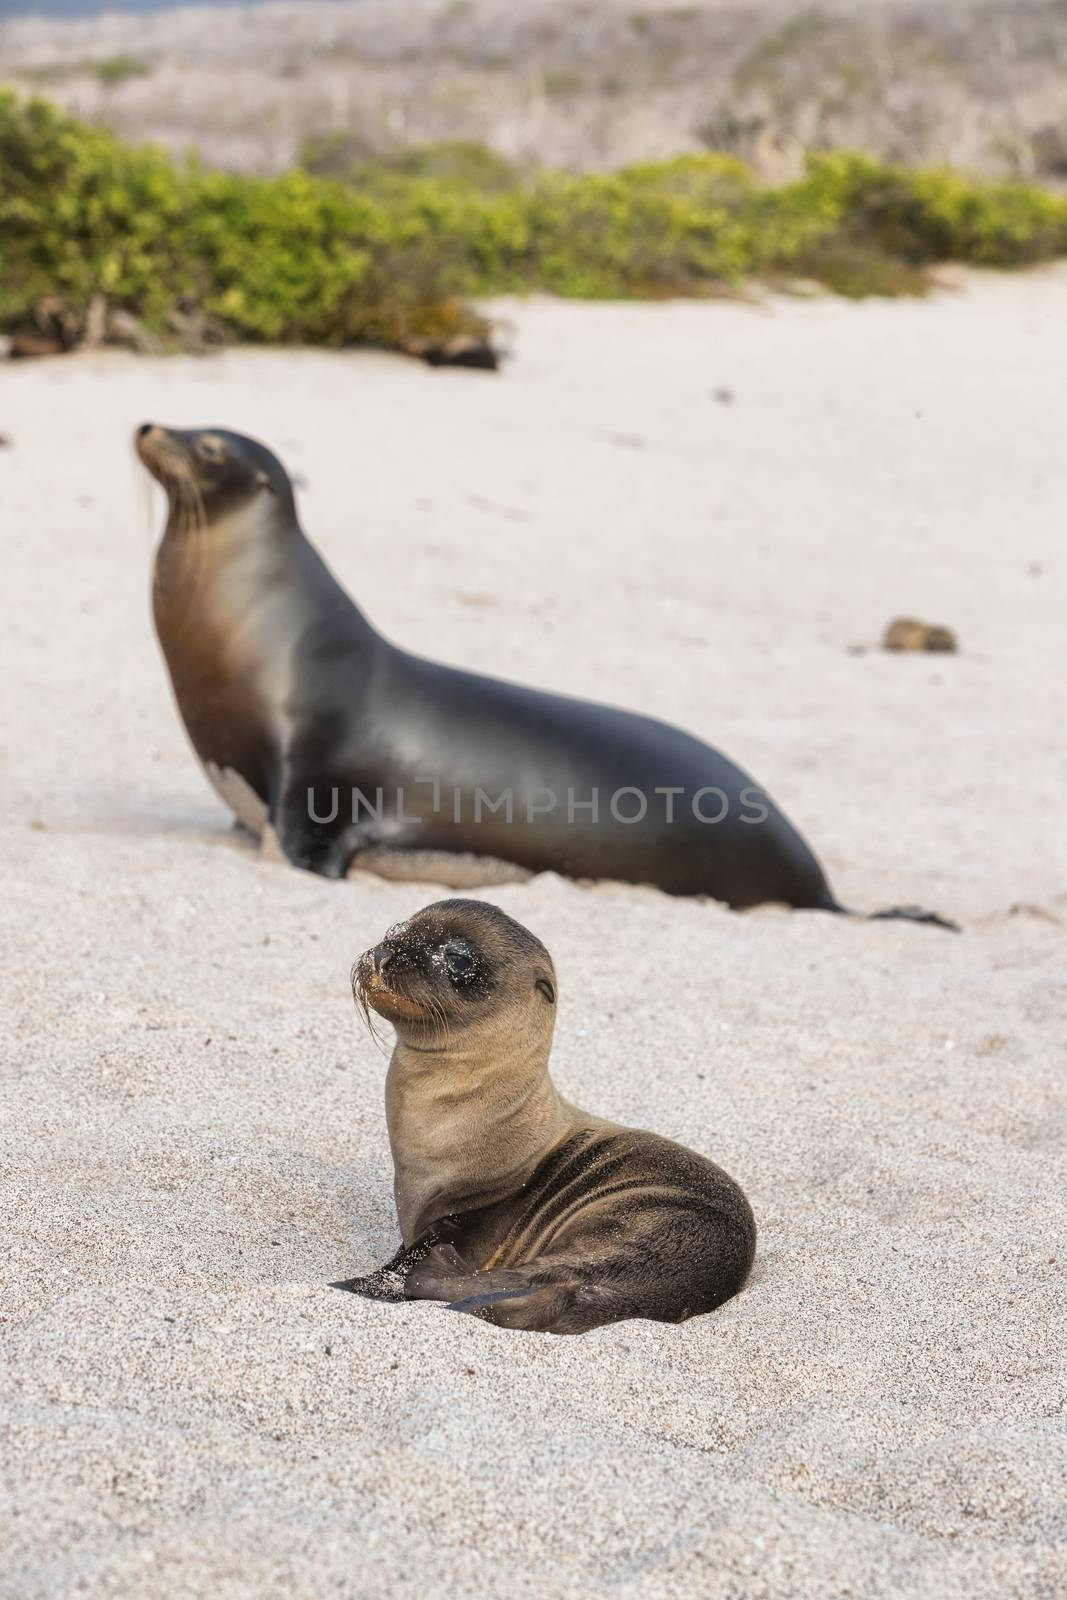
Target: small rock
x: 907, y: 633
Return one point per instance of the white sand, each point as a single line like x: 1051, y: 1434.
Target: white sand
x: 193, y: 1138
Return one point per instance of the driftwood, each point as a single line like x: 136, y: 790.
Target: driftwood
x: 55, y: 328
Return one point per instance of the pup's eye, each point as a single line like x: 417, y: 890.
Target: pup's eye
x: 459, y: 961
x: 264, y: 482
x: 547, y: 990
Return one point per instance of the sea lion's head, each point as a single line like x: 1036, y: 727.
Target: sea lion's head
x: 209, y: 473
x: 457, y: 965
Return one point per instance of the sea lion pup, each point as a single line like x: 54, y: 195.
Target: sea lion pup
x: 514, y: 1204
x: 323, y: 736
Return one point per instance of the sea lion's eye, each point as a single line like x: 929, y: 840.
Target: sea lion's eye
x: 459, y: 961
x: 547, y: 990
x: 263, y: 482
x: 211, y: 450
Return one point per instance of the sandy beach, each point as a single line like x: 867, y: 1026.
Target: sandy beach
x: 709, y: 513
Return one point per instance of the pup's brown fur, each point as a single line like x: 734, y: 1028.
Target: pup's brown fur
x: 513, y: 1203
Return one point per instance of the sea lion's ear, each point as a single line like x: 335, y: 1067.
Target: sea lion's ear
x: 546, y: 989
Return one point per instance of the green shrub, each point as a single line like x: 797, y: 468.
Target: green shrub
x: 80, y: 212
x: 108, y: 70
x: 455, y: 161
x: 384, y: 249
x: 295, y: 258
x: 113, y: 70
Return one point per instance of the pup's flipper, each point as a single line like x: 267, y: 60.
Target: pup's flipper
x: 388, y: 1282
x: 542, y: 1297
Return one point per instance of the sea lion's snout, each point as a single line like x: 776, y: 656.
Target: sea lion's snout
x: 157, y: 449
x: 368, y: 975
x: 374, y: 962
x: 375, y: 991
x: 145, y: 438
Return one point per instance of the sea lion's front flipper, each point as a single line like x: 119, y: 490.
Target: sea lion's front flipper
x: 388, y: 1282
x: 309, y: 830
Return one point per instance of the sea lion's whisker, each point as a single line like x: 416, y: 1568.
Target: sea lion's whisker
x: 445, y: 1033
x: 363, y: 1007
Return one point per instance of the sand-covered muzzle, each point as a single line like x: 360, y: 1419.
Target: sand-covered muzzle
x: 373, y: 992
x: 367, y: 979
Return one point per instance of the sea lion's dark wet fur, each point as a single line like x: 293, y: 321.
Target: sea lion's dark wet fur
x: 514, y: 1204
x: 288, y: 692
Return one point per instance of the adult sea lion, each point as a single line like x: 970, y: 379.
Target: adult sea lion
x: 339, y: 744
x: 514, y: 1204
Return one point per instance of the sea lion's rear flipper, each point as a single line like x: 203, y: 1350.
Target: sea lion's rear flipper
x: 931, y: 919
x: 541, y: 1297
x: 913, y: 914
x: 573, y: 1307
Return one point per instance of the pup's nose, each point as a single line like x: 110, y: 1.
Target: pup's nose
x: 145, y: 429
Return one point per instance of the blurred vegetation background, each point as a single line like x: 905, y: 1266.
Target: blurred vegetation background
x: 576, y: 84
x: 338, y: 173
